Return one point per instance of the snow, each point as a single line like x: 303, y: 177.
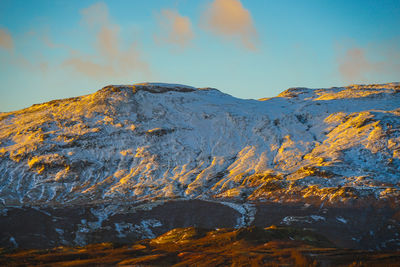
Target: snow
x: 123, y: 228
x: 13, y: 242
x: 3, y: 212
x: 341, y: 219
x: 59, y: 231
x: 144, y: 229
x: 152, y: 141
x: 317, y: 218
x: 303, y: 219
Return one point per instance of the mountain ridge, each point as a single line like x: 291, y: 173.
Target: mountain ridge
x: 152, y: 140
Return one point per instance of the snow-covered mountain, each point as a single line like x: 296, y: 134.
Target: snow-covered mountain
x: 150, y: 141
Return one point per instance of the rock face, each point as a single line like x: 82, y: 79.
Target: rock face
x: 151, y: 141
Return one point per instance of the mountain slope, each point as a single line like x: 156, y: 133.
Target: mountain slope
x: 150, y: 141
x: 251, y: 246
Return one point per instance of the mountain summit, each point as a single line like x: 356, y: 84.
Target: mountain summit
x: 149, y: 141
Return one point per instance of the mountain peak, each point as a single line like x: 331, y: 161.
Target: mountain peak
x: 148, y: 141
x: 347, y: 92
x: 150, y: 87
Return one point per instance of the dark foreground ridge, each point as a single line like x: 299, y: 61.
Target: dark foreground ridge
x: 250, y: 246
x: 368, y: 228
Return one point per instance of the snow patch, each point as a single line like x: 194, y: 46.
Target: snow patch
x: 13, y: 242
x: 317, y: 218
x: 302, y: 219
x: 341, y: 219
x: 143, y: 230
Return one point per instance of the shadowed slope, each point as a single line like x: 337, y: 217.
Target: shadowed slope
x: 273, y: 246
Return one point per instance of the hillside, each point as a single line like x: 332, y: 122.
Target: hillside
x: 252, y: 246
x: 166, y: 141
x: 135, y: 161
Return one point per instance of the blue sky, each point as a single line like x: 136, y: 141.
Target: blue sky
x: 249, y: 49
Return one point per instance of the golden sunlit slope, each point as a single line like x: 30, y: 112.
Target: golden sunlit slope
x: 150, y: 141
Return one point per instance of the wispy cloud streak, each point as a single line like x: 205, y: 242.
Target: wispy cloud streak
x: 109, y: 59
x: 6, y: 40
x: 359, y: 64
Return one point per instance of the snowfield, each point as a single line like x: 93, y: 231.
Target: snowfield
x: 154, y: 141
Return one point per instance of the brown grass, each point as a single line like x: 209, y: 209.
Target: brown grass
x: 252, y: 246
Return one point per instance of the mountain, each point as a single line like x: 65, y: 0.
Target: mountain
x: 135, y: 161
x: 150, y: 141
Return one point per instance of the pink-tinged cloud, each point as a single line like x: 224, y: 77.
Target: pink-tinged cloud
x: 108, y: 41
x: 6, y: 41
x: 50, y: 44
x: 109, y: 58
x: 43, y: 36
x: 356, y: 64
x: 88, y: 67
x: 229, y: 19
x: 17, y: 58
x: 95, y: 15
x: 174, y: 29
